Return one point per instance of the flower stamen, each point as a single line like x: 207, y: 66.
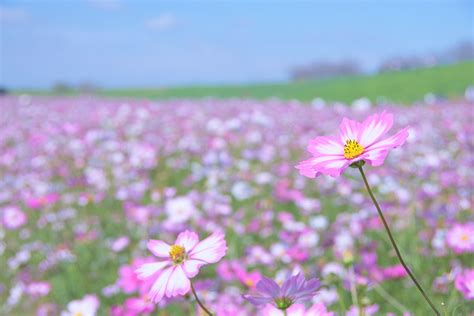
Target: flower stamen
x: 177, y: 254
x: 352, y: 149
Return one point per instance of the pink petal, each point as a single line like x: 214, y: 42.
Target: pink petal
x: 178, y: 283
x: 148, y: 269
x: 375, y: 157
x: 329, y: 165
x: 159, y: 248
x: 210, y: 250
x: 191, y: 267
x: 187, y: 239
x: 159, y: 287
x: 374, y: 127
x: 391, y: 142
x: 350, y: 130
x: 325, y: 145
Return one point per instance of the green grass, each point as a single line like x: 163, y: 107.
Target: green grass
x: 404, y: 86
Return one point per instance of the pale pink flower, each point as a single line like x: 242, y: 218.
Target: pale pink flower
x: 87, y: 306
x: 37, y: 289
x: 356, y: 141
x: 13, y: 217
x: 460, y: 238
x: 180, y: 262
x: 464, y: 283
x: 120, y: 243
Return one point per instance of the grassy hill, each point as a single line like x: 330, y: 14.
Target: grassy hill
x: 403, y: 86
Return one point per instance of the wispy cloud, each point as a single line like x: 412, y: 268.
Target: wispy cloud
x: 11, y: 14
x: 108, y: 5
x: 162, y: 22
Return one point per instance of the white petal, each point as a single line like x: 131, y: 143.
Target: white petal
x: 159, y: 248
x: 159, y: 287
x: 148, y: 269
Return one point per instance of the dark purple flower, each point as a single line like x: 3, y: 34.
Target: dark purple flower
x: 294, y: 290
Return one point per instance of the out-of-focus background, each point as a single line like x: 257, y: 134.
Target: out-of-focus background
x: 123, y: 121
x: 164, y: 49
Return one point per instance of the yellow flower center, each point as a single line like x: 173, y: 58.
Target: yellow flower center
x: 77, y: 314
x: 464, y: 237
x: 352, y: 149
x: 177, y: 254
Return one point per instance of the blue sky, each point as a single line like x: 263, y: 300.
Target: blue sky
x: 119, y: 43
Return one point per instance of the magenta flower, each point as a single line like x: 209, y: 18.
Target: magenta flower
x: 460, y: 238
x: 180, y: 262
x: 355, y: 142
x: 464, y: 283
x: 13, y: 217
x: 294, y: 290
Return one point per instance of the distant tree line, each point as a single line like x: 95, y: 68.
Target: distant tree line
x: 324, y: 70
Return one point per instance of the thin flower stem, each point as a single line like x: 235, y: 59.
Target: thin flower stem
x: 394, y: 244
x: 354, y: 295
x: 198, y: 301
x: 381, y: 291
x: 285, y: 313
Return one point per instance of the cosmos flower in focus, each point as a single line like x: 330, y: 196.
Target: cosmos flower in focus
x: 460, y: 238
x: 180, y: 262
x: 464, y: 283
x: 13, y: 217
x: 356, y: 141
x: 294, y: 290
x: 87, y: 306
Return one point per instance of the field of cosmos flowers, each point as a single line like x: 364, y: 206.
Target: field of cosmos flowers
x: 136, y: 207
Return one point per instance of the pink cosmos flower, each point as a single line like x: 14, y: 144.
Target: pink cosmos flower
x: 180, y: 262
x: 128, y: 280
x: 464, y: 283
x: 13, y: 217
x: 461, y: 238
x: 37, y: 289
x: 87, y: 306
x: 356, y: 141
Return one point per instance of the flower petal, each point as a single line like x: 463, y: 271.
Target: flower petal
x: 325, y: 145
x: 391, y: 142
x: 258, y: 300
x: 210, y: 250
x: 148, y: 269
x: 191, y: 267
x: 269, y: 287
x: 187, y: 239
x: 178, y: 283
x: 350, y: 130
x: 374, y: 127
x: 159, y: 287
x: 329, y: 165
x: 159, y: 248
x: 375, y: 157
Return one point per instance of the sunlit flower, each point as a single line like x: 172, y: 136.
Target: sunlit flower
x: 87, y: 306
x: 180, y: 262
x: 356, y: 141
x: 464, y: 283
x: 294, y: 290
x: 13, y: 217
x: 460, y: 238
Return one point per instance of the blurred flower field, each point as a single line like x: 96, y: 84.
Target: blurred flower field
x: 86, y: 182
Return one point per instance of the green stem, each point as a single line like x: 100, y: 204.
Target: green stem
x: 198, y: 301
x: 394, y: 244
x: 285, y: 313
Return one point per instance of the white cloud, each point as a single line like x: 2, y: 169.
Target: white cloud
x: 162, y: 22
x: 9, y: 14
x: 108, y: 5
